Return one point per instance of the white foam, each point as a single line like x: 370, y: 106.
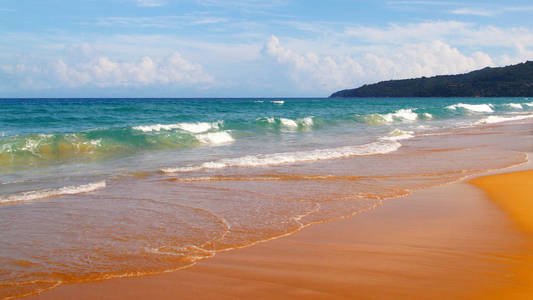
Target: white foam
x: 259, y: 101
x: 7, y: 148
x: 156, y: 127
x: 198, y: 127
x: 400, y: 115
x: 514, y: 105
x: 291, y: 124
x: 262, y: 160
x: 277, y: 101
x: 215, y: 138
x: 270, y: 120
x: 427, y: 116
x: 47, y: 193
x: 397, y: 135
x: 530, y: 104
x: 306, y: 122
x: 500, y: 119
x: 472, y: 107
x: 97, y: 142
x: 31, y: 145
x: 406, y: 114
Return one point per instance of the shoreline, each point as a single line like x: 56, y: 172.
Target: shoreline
x: 433, y: 244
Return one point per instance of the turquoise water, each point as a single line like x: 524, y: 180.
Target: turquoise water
x: 124, y: 187
x: 42, y: 132
x: 44, y: 141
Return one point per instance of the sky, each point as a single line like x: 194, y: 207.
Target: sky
x: 248, y: 48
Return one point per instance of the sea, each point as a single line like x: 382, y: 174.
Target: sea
x: 94, y: 189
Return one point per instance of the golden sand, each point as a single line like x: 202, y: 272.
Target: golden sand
x: 513, y: 192
x: 446, y: 242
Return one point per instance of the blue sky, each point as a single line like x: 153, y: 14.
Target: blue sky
x: 248, y: 48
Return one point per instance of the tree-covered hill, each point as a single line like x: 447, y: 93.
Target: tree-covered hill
x: 510, y: 81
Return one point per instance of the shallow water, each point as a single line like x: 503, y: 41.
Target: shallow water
x: 96, y: 189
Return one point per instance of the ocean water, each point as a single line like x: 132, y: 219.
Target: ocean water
x: 92, y: 189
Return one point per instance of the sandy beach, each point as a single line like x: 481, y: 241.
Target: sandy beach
x: 443, y: 242
x: 286, y: 149
x: 445, y: 215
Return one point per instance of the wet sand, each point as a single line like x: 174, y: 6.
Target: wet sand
x: 447, y: 242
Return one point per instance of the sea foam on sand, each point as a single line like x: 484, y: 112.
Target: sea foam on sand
x: 46, y: 193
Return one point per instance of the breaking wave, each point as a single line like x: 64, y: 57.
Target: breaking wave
x: 483, y: 108
x: 198, y: 127
x: 286, y: 123
x: 30, y: 150
x: 401, y: 115
x: 500, y: 119
x: 215, y: 138
x: 35, y: 149
x: 397, y: 135
x: 262, y: 160
x: 47, y: 193
x: 514, y: 105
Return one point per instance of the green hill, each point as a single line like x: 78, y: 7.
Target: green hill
x: 510, y: 81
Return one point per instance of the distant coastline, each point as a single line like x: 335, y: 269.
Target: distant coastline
x: 509, y: 81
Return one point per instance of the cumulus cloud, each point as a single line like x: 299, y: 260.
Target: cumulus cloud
x: 332, y: 57
x: 330, y: 72
x: 105, y: 72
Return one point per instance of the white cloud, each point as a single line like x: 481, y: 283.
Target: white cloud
x: 330, y: 72
x: 104, y: 72
x: 330, y: 56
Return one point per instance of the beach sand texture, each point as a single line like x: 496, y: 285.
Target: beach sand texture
x: 513, y: 192
x: 419, y: 231
x: 445, y: 242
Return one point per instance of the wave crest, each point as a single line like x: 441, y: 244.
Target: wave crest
x: 215, y: 138
x: 397, y: 135
x: 286, y: 123
x: 198, y: 127
x: 262, y: 160
x: 47, y: 193
x: 500, y: 119
x: 401, y: 115
x: 485, y: 108
x: 515, y: 105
